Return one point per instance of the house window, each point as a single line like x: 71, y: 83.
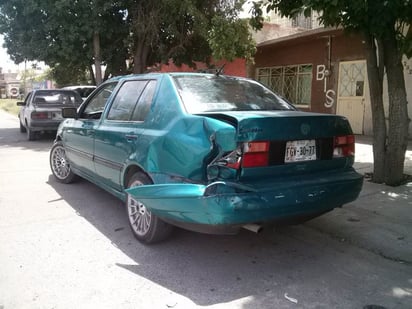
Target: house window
x: 293, y: 82
x: 301, y: 21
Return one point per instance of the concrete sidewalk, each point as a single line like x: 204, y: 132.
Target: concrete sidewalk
x: 380, y: 220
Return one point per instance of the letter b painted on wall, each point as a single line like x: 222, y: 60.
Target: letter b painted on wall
x: 320, y: 72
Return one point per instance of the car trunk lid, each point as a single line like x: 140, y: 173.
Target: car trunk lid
x: 287, y: 142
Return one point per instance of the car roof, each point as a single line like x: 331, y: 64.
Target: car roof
x: 78, y: 86
x: 170, y: 74
x: 54, y: 91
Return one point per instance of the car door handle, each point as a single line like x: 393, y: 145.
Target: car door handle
x: 131, y: 137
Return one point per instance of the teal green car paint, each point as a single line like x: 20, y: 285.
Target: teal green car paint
x: 191, y: 134
x: 226, y: 203
x: 256, y: 125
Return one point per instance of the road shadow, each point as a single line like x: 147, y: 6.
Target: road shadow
x: 211, y: 270
x: 12, y: 137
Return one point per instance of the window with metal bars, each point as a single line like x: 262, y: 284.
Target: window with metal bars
x: 294, y: 82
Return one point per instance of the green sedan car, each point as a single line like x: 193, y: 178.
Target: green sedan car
x: 206, y: 152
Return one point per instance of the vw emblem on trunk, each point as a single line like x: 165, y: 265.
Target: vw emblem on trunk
x: 305, y: 129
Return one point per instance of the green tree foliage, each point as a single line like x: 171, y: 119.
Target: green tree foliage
x: 225, y: 42
x: 186, y: 31
x: 75, y: 34
x: 386, y: 28
x: 60, y: 32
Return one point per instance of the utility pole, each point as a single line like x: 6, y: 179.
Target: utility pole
x: 24, y: 78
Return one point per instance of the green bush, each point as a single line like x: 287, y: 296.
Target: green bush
x: 9, y: 105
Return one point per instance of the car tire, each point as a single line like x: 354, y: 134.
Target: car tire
x: 145, y: 225
x: 59, y: 164
x: 31, y: 135
x: 22, y: 128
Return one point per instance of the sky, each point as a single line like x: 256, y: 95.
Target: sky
x: 8, y: 65
x: 5, y: 62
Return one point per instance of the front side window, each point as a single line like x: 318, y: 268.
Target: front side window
x: 96, y: 105
x: 213, y: 93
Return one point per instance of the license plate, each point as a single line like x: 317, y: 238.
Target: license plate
x: 56, y: 115
x: 298, y: 151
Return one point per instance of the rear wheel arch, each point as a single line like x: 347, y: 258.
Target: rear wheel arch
x: 145, y: 225
x: 132, y: 170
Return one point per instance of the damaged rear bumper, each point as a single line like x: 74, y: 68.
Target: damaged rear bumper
x: 223, y: 207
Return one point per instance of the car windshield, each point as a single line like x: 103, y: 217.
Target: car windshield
x: 211, y: 93
x: 57, y: 98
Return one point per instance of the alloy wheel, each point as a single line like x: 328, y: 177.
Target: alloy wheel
x: 60, y: 166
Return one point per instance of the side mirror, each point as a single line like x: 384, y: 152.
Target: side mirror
x: 69, y: 112
x: 20, y: 104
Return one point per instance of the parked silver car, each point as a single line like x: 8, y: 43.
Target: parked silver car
x: 41, y: 110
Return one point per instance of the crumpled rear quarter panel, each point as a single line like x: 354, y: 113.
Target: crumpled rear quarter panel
x: 175, y: 145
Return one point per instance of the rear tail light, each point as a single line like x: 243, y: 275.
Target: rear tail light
x: 40, y: 115
x: 255, y: 154
x: 344, y: 146
x: 252, y: 154
x: 232, y: 160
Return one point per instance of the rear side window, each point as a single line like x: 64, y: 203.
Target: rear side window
x: 145, y: 101
x: 132, y: 102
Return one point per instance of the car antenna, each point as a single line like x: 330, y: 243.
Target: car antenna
x: 220, y: 69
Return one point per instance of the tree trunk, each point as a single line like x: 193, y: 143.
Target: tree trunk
x: 375, y: 78
x: 92, y: 75
x: 398, y: 112
x: 146, y: 20
x: 140, y: 57
x: 137, y: 60
x: 97, y: 58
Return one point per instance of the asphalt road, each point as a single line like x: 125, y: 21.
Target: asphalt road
x: 69, y: 246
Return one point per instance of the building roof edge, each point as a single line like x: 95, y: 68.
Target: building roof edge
x: 303, y: 34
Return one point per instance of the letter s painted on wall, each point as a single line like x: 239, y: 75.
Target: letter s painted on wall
x: 330, y: 98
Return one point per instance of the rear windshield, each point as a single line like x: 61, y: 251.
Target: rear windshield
x: 84, y: 91
x: 57, y: 98
x: 211, y: 93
